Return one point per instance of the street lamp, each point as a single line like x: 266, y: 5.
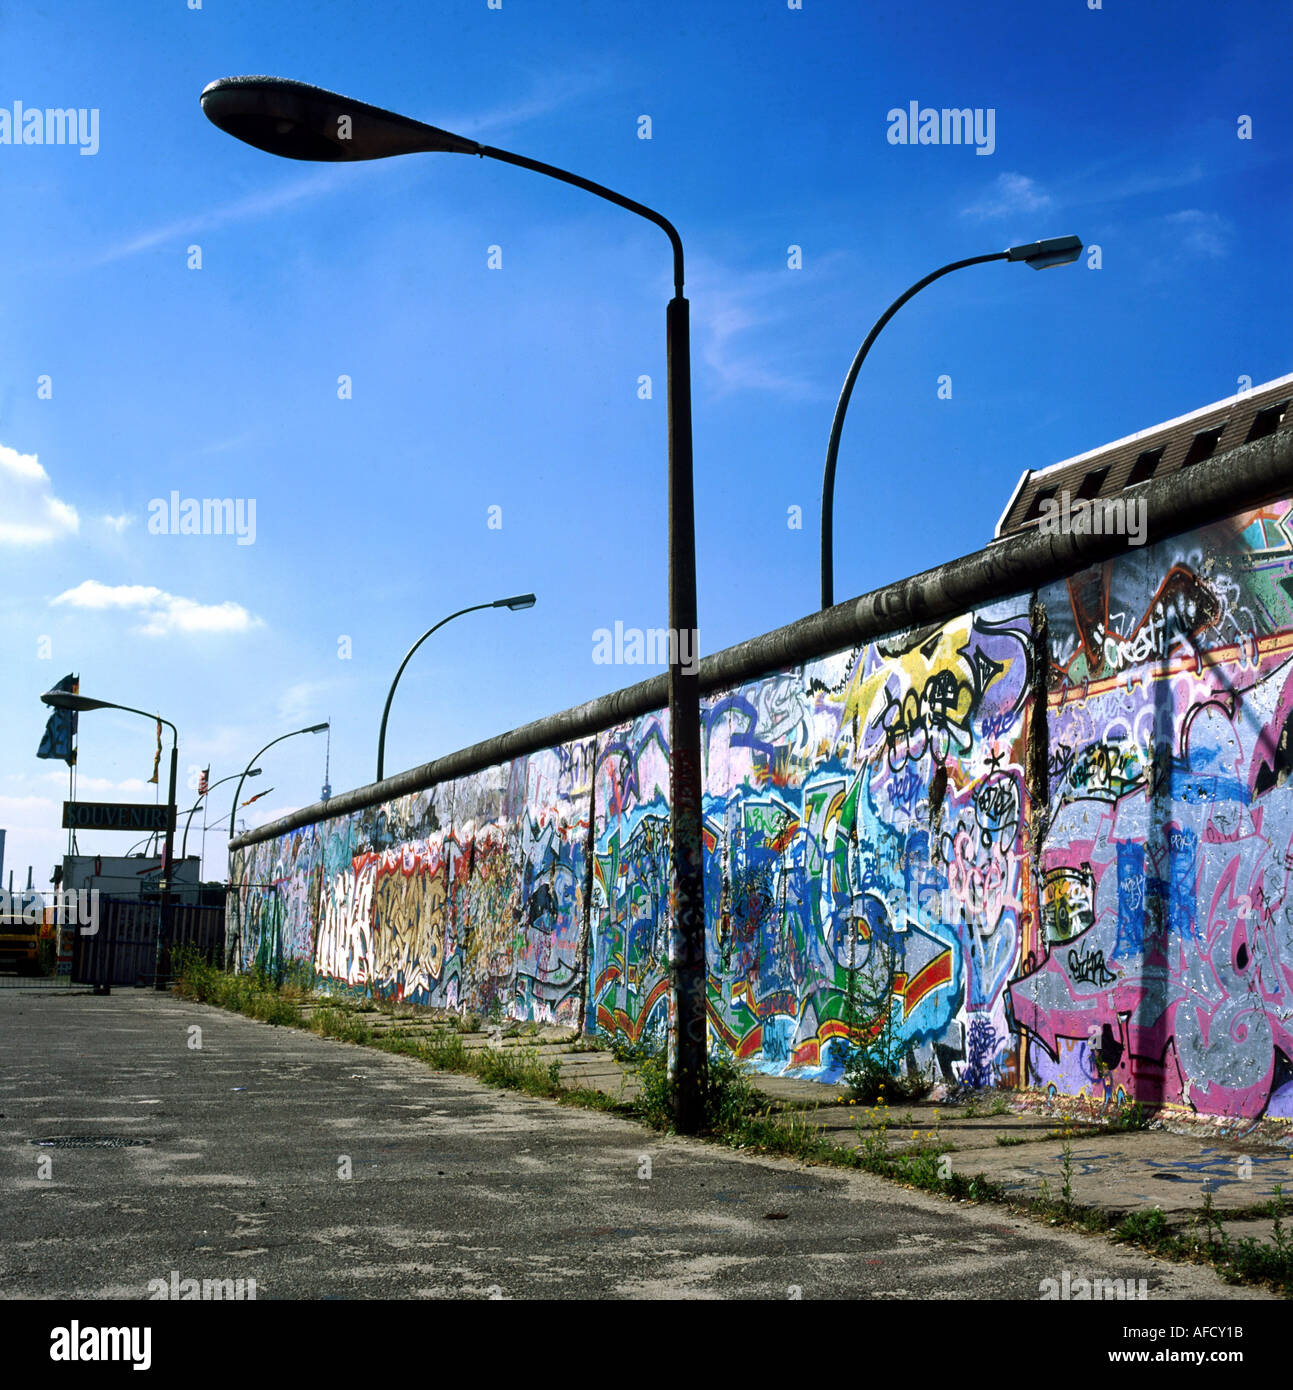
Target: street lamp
x: 1039, y: 254
x: 299, y: 121
x: 184, y: 844
x: 517, y: 603
x: 63, y: 699
x: 233, y: 814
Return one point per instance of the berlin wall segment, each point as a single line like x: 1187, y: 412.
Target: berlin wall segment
x: 1055, y: 828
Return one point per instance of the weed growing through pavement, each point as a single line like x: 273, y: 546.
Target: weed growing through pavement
x: 872, y: 1053
x: 1066, y: 1191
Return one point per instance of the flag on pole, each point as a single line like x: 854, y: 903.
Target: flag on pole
x: 60, y: 731
x: 203, y: 785
x: 258, y: 796
x: 157, y: 757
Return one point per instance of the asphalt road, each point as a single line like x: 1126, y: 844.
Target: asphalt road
x: 453, y: 1190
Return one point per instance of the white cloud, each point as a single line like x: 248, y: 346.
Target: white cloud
x: 741, y: 325
x: 1204, y: 233
x: 56, y: 776
x: 281, y: 194
x: 118, y: 523
x: 30, y: 514
x: 34, y: 837
x: 161, y: 613
x: 301, y: 701
x: 1011, y: 194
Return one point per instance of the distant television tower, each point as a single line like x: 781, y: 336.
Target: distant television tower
x: 327, y: 763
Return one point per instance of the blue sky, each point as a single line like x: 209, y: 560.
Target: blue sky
x: 518, y: 387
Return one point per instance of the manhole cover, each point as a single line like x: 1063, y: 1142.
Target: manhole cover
x: 90, y: 1141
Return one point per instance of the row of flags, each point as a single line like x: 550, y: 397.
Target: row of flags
x: 60, y: 741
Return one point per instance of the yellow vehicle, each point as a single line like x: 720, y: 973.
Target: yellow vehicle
x: 19, y: 946
x: 20, y: 937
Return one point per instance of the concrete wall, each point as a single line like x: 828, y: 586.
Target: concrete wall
x: 1061, y: 813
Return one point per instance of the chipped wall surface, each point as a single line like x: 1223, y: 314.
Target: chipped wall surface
x: 1060, y: 821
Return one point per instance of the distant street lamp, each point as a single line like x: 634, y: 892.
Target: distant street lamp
x: 63, y: 699
x: 233, y: 814
x: 517, y: 603
x: 299, y: 121
x: 184, y: 844
x: 1038, y: 254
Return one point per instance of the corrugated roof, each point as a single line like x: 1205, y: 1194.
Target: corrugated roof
x: 1150, y: 455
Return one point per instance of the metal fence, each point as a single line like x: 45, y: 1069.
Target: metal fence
x: 124, y: 950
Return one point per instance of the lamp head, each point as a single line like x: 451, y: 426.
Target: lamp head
x: 516, y: 602
x: 300, y: 121
x: 318, y: 728
x: 1058, y: 250
x: 64, y: 699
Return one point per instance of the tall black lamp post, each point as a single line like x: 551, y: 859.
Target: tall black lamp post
x: 299, y: 121
x: 1038, y: 254
x: 62, y: 699
x: 516, y: 603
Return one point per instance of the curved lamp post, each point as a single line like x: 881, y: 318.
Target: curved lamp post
x: 1038, y: 254
x: 516, y: 603
x: 62, y: 699
x: 233, y: 814
x: 299, y: 121
x: 184, y: 843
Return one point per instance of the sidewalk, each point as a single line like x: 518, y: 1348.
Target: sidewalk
x: 1116, y: 1171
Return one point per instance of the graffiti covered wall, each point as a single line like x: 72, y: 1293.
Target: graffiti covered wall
x: 467, y: 895
x: 1058, y: 822
x: 1165, y: 968
x: 867, y: 804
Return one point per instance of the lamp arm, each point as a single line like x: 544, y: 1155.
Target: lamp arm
x: 524, y: 162
x: 408, y: 656
x: 837, y: 424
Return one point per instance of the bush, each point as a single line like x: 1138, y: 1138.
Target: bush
x: 518, y: 1069
x: 730, y: 1096
x: 337, y: 1023
x: 1143, y: 1227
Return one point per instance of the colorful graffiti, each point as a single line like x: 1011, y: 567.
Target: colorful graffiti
x: 1165, y: 971
x: 869, y: 802
x: 467, y: 896
x: 1074, y: 863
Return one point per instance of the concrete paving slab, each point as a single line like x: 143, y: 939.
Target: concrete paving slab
x: 1131, y: 1171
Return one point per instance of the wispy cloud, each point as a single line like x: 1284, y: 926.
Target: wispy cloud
x: 161, y: 613
x: 31, y: 514
x: 126, y: 786
x: 1136, y: 184
x: 741, y: 326
x: 301, y: 701
x: 117, y: 523
x: 284, y: 194
x: 1201, y: 233
x: 551, y: 94
x: 1011, y: 194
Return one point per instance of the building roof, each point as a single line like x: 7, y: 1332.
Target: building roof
x: 1145, y: 458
